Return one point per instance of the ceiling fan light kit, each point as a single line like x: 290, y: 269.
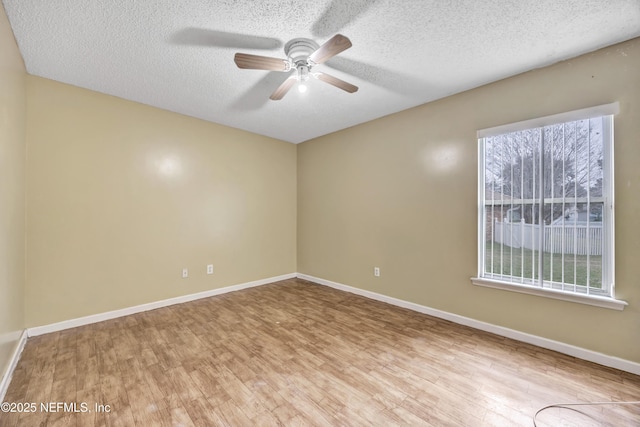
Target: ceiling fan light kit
x: 302, y: 55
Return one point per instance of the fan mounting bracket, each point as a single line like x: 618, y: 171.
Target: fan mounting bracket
x: 299, y: 49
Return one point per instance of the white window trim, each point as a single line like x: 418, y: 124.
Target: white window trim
x: 585, y: 113
x: 598, y: 301
x: 604, y: 302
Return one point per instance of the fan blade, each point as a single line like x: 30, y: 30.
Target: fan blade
x: 393, y: 80
x: 340, y: 84
x: 192, y: 36
x: 330, y: 48
x: 256, y: 96
x: 283, y: 89
x: 257, y: 62
x: 338, y: 15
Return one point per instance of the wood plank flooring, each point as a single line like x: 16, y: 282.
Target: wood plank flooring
x: 298, y: 354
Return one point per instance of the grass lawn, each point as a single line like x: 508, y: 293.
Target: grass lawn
x: 521, y: 262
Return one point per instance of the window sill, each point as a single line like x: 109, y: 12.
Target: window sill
x: 597, y: 301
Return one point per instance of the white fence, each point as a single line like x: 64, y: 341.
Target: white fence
x: 570, y: 239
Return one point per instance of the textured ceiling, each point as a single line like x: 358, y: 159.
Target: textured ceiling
x: 178, y: 55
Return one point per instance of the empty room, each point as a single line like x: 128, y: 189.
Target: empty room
x: 319, y: 213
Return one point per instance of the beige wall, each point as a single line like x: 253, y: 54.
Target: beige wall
x: 400, y: 193
x: 12, y: 207
x: 122, y: 196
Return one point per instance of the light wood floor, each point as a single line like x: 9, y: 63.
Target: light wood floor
x: 298, y: 354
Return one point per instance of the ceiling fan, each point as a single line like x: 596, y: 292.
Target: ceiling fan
x: 302, y: 55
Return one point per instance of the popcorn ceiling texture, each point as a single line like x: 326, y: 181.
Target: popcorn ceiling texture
x: 178, y: 55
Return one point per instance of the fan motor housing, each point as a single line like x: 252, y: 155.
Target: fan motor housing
x: 299, y: 49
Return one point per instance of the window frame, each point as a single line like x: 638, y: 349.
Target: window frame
x: 608, y: 255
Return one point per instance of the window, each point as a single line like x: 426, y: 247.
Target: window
x: 546, y: 204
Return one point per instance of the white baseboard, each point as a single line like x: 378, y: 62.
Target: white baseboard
x: 81, y: 321
x: 13, y: 362
x: 571, y: 350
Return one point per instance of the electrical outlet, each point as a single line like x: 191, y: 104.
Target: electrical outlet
x: 185, y: 273
x: 376, y: 271
x: 210, y: 269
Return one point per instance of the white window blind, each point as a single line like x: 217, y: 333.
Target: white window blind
x: 546, y: 202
